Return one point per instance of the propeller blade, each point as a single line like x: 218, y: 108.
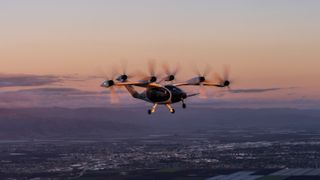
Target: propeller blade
x: 177, y: 69
x: 170, y: 73
x: 218, y: 78
x: 166, y: 69
x: 202, y: 91
x: 202, y: 76
x: 152, y: 67
x: 114, y: 99
x: 114, y: 72
x: 196, y: 70
x: 226, y: 72
x: 124, y: 65
x: 207, y: 70
x: 223, y: 80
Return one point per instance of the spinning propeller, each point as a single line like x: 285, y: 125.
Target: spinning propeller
x: 152, y: 71
x: 223, y: 81
x: 200, y: 79
x: 217, y: 80
x: 170, y: 73
x: 111, y: 80
x: 124, y: 75
x: 109, y: 83
x: 151, y: 76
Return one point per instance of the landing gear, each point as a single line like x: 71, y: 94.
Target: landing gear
x: 183, y: 104
x: 170, y: 108
x: 153, y: 109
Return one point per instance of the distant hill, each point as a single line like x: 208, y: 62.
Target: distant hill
x: 115, y: 122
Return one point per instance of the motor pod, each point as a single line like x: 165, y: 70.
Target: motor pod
x: 226, y: 83
x: 202, y: 79
x: 122, y: 78
x: 170, y: 78
x: 107, y: 83
x: 153, y: 79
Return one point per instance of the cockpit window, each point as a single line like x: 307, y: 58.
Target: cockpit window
x: 173, y: 88
x: 158, y: 94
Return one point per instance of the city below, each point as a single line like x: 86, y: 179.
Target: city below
x: 251, y: 154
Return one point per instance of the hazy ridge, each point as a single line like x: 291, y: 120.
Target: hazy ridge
x: 112, y: 122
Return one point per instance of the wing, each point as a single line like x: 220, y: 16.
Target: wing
x: 139, y: 84
x: 212, y: 84
x: 198, y: 84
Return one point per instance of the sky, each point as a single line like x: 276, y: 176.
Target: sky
x: 50, y: 51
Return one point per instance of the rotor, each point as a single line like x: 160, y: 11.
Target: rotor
x: 124, y: 76
x: 224, y: 80
x: 110, y: 83
x: 200, y: 79
x: 151, y: 76
x: 170, y: 74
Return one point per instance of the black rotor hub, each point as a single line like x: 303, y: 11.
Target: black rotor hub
x: 124, y: 77
x: 111, y: 82
x: 202, y: 79
x: 153, y: 79
x: 226, y: 83
x: 171, y: 77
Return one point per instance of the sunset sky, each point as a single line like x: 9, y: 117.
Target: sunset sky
x: 51, y: 50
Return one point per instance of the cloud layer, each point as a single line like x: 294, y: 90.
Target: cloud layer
x: 52, y: 97
x: 57, y: 91
x: 255, y: 90
x: 27, y: 80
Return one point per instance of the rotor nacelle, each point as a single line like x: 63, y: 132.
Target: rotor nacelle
x: 153, y: 79
x: 202, y: 79
x: 107, y: 83
x: 226, y: 83
x: 170, y: 78
x: 122, y: 78
x: 197, y: 80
